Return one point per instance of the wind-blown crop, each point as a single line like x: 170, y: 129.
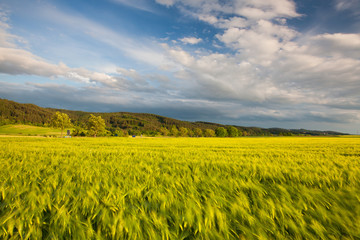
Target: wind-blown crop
x: 180, y: 188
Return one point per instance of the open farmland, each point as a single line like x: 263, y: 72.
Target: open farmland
x: 180, y: 188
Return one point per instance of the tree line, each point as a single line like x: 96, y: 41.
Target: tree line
x: 96, y: 127
x: 125, y: 123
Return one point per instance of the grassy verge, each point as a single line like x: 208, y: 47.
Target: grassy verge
x: 27, y: 130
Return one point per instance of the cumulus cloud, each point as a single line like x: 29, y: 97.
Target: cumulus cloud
x: 225, y: 77
x: 277, y: 59
x: 252, y: 10
x: 266, y: 9
x: 191, y: 40
x: 233, y: 22
x: 261, y: 43
x: 255, y: 29
x: 275, y: 68
x: 326, y: 63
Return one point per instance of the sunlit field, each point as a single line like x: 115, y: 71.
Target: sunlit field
x: 180, y: 188
x: 27, y: 130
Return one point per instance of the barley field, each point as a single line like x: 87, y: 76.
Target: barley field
x: 180, y: 188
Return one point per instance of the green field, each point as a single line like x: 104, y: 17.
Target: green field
x: 180, y: 188
x: 27, y: 130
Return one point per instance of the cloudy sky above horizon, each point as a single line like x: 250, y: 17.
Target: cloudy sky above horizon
x: 279, y: 63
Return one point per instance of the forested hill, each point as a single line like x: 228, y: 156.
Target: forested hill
x: 12, y: 113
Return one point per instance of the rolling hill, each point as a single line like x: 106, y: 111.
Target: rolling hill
x: 18, y: 113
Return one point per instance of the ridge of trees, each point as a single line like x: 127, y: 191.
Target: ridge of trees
x: 126, y: 123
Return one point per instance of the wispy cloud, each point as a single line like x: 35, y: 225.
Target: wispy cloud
x: 7, y: 39
x: 141, y: 5
x: 352, y: 6
x: 143, y: 50
x: 346, y: 4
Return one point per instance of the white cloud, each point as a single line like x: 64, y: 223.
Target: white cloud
x: 180, y: 56
x: 339, y: 44
x: 233, y: 22
x: 274, y: 64
x: 255, y: 29
x: 258, y: 9
x: 166, y: 2
x: 209, y: 10
x: 296, y: 74
x: 22, y: 62
x: 207, y: 18
x: 347, y: 4
x: 261, y: 43
x: 302, y: 71
x: 327, y: 63
x: 352, y: 7
x: 17, y: 61
x: 219, y: 76
x: 191, y: 40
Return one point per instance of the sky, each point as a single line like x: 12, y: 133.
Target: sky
x: 279, y: 63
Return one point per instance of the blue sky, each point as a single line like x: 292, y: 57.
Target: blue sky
x: 280, y: 63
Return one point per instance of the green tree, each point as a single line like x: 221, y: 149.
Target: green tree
x: 209, y: 133
x: 174, y: 131
x: 232, y: 131
x: 164, y: 131
x: 190, y: 133
x: 96, y: 125
x: 221, y: 132
x: 183, y: 131
x: 61, y: 120
x: 198, y: 132
x: 78, y: 131
x: 120, y: 132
